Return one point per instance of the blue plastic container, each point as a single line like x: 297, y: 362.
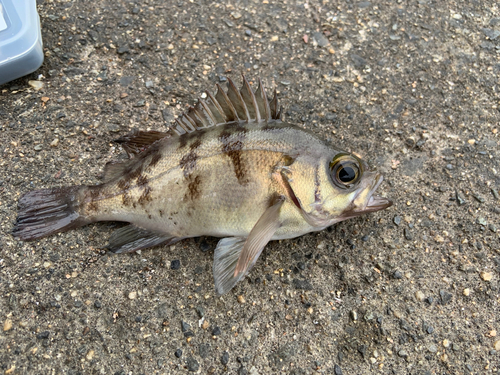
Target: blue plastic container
x: 21, y: 48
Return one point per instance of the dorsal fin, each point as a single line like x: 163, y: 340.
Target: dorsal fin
x: 137, y: 141
x: 222, y: 108
x: 262, y: 102
x: 236, y: 105
x: 114, y: 169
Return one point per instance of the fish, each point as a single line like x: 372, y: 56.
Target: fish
x: 229, y: 167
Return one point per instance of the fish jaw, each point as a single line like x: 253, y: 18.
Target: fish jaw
x: 365, y: 201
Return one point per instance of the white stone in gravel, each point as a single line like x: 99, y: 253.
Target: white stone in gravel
x: 497, y: 345
x: 55, y: 142
x: 7, y: 325
x: 466, y: 292
x: 37, y: 85
x: 90, y: 355
x: 420, y: 296
x: 132, y: 295
x: 486, y: 276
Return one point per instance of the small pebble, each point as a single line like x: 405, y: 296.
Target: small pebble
x: 7, y: 325
x: 192, y: 364
x: 175, y: 264
x: 397, y: 220
x: 433, y: 348
x: 236, y: 15
x: 466, y: 292
x: 486, y: 276
x: 446, y: 343
x: 461, y: 201
x: 497, y: 345
x: 132, y: 295
x: 492, y: 333
x: 495, y: 194
x: 481, y: 221
x: 419, y: 296
x: 225, y: 358
x: 178, y: 353
x: 216, y: 331
x: 204, y: 246
x: 403, y: 353
x: 43, y: 335
x: 337, y: 370
x: 408, y: 234
x: 445, y: 296
x: 37, y: 85
x: 241, y: 299
x: 397, y: 275
x: 185, y: 326
x: 354, y: 315
x: 90, y: 355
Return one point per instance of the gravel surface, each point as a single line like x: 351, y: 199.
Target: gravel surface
x: 412, y: 86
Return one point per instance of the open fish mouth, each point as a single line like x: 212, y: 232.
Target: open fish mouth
x: 375, y: 202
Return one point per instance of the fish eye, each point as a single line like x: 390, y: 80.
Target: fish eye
x: 345, y: 170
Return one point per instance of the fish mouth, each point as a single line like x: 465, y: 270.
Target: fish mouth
x: 375, y: 202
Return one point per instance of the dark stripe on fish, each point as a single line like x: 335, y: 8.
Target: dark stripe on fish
x: 232, y: 144
x: 188, y: 163
x: 194, y: 190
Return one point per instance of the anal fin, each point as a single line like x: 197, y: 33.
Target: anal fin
x: 131, y: 238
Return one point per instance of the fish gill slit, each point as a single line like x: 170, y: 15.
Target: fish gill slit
x: 317, y: 193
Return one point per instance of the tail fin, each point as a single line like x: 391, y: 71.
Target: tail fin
x: 47, y: 211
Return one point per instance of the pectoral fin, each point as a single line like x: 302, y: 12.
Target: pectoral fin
x: 235, y: 256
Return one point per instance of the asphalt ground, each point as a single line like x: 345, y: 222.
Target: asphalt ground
x: 411, y: 86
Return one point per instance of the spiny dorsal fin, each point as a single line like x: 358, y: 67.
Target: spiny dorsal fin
x: 231, y: 106
x: 222, y: 108
x: 262, y: 102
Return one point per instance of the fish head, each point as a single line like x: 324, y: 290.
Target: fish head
x: 340, y: 186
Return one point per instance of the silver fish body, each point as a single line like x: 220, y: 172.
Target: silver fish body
x: 230, y: 168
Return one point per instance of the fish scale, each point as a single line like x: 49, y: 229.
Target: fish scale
x: 229, y: 167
